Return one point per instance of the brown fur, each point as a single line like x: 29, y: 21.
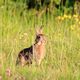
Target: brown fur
x: 36, y: 51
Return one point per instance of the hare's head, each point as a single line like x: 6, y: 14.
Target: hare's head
x: 40, y: 38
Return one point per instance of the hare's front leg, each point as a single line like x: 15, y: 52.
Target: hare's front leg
x: 22, y: 61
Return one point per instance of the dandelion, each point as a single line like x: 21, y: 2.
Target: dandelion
x: 8, y: 72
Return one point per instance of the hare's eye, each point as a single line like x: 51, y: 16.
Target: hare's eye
x: 38, y: 37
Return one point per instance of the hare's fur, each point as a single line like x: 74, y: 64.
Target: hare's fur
x: 35, y: 52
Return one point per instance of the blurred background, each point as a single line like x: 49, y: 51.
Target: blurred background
x: 61, y: 26
x: 56, y: 7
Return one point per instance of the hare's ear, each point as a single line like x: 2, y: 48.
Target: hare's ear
x: 39, y: 30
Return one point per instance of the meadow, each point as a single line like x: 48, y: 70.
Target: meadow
x: 17, y: 31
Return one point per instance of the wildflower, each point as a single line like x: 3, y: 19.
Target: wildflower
x: 62, y: 18
x: 75, y: 16
x: 59, y: 17
x: 72, y: 27
x: 8, y: 72
x: 65, y: 16
x: 69, y: 16
x: 77, y: 19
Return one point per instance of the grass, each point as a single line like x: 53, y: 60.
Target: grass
x: 62, y: 60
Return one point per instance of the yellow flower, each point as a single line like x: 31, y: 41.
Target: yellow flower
x: 75, y: 16
x: 69, y: 16
x: 62, y: 18
x: 72, y: 27
x: 65, y: 16
x: 59, y: 17
x: 76, y: 19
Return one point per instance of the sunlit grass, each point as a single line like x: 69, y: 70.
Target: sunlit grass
x: 62, y: 61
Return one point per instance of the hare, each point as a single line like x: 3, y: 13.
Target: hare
x: 35, y: 52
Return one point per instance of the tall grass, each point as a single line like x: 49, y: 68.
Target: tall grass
x: 17, y: 31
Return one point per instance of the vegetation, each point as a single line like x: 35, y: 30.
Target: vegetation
x: 17, y: 31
